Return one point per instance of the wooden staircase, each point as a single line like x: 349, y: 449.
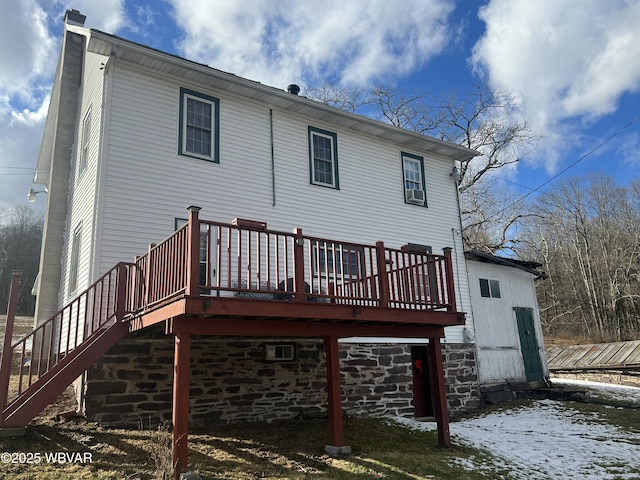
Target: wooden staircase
x: 37, y: 368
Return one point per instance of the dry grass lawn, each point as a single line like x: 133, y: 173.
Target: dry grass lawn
x: 282, y: 450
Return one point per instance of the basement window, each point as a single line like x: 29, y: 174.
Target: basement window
x: 489, y: 288
x: 279, y: 352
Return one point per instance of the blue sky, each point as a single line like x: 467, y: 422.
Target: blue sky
x: 572, y: 65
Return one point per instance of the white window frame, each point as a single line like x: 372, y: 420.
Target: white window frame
x: 409, y: 181
x: 74, y: 259
x: 84, y: 145
x: 279, y: 352
x: 213, y: 128
x: 333, y: 140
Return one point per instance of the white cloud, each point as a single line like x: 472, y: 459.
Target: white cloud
x: 27, y: 52
x: 29, y: 44
x: 562, y: 59
x: 294, y: 41
x: 630, y: 150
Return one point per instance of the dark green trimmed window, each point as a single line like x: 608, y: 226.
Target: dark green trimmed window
x: 323, y: 158
x: 199, y: 125
x: 415, y: 187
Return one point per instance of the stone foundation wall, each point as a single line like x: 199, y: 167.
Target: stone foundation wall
x: 376, y: 380
x: 231, y: 382
x: 461, y: 376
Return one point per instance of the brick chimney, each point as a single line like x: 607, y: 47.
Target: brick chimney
x: 74, y: 17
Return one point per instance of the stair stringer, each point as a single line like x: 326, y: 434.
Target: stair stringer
x: 46, y: 389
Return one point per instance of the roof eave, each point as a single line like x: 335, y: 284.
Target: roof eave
x: 106, y: 44
x: 529, y: 267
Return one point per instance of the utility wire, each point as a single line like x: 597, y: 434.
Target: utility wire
x: 581, y: 158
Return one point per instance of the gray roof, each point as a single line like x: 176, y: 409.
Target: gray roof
x: 597, y: 356
x: 530, y: 267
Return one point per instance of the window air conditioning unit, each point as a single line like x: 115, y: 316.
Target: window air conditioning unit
x: 416, y: 196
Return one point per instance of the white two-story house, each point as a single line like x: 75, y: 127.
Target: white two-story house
x: 314, y: 227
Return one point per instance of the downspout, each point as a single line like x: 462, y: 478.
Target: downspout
x: 273, y: 161
x: 467, y: 336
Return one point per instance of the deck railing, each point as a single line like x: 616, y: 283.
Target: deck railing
x: 161, y: 273
x: 246, y: 260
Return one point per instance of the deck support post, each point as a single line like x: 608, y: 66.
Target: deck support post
x: 122, y: 282
x: 193, y: 251
x: 181, y: 370
x: 300, y: 294
x: 451, y: 288
x: 439, y: 391
x: 334, y: 395
x: 383, y: 279
x: 5, y: 362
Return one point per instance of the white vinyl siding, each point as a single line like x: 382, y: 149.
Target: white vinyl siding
x: 147, y: 183
x: 83, y: 194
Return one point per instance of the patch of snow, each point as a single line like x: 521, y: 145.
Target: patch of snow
x: 547, y: 440
x: 620, y: 393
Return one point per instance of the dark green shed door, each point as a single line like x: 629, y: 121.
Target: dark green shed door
x: 529, y: 345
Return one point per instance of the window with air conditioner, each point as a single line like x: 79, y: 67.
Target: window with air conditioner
x: 415, y: 191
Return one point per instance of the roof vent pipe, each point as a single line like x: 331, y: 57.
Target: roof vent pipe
x: 293, y: 89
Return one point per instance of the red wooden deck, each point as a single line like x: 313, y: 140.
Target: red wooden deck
x: 241, y: 279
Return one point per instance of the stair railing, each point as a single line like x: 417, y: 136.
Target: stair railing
x: 96, y: 308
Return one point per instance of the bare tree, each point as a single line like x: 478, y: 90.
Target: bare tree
x: 588, y: 238
x: 480, y: 119
x: 20, y: 238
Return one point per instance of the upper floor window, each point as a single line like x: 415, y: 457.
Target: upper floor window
x: 323, y: 157
x: 199, y: 125
x: 489, y: 288
x: 415, y: 191
x: 84, y: 146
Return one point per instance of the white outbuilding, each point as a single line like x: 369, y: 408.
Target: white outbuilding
x: 508, y: 333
